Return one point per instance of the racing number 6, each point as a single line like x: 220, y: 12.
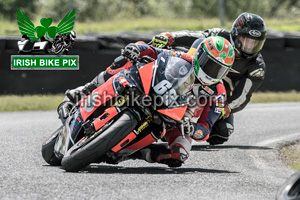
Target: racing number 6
x: 161, y: 89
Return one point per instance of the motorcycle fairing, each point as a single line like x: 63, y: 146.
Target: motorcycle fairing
x: 105, y: 117
x: 174, y: 113
x: 149, y: 139
x: 144, y: 138
x: 98, y: 97
x: 146, y: 73
x: 69, y: 134
x: 131, y: 136
x: 159, y: 69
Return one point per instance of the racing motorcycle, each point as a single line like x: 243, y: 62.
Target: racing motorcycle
x: 130, y: 111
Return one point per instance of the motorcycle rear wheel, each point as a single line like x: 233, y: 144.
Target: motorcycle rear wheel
x: 48, y: 149
x: 78, y: 158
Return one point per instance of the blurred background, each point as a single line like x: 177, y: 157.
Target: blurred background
x: 103, y: 15
x: 106, y: 26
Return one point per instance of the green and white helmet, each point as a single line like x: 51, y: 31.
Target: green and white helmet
x: 212, y: 59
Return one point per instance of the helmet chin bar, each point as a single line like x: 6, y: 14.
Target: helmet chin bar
x: 248, y: 55
x: 242, y: 54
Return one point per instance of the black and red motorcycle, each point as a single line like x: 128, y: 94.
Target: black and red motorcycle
x: 130, y: 111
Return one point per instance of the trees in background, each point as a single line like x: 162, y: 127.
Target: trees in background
x: 95, y: 10
x: 8, y: 8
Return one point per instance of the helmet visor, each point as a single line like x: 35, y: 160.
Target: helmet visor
x: 250, y: 45
x: 211, y: 67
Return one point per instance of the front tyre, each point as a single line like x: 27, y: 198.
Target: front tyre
x: 79, y: 157
x: 48, y: 149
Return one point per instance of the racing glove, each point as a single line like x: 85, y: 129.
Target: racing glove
x: 162, y: 40
x: 225, y: 112
x: 131, y: 52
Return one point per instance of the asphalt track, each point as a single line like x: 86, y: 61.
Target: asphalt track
x: 247, y: 167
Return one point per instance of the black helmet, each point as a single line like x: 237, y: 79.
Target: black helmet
x: 249, y: 34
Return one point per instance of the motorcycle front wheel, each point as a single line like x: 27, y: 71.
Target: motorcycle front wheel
x: 81, y: 156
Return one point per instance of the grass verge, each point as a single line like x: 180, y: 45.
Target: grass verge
x: 10, y: 103
x: 270, y: 97
x: 291, y: 155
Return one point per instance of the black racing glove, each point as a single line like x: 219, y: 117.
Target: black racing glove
x: 131, y: 52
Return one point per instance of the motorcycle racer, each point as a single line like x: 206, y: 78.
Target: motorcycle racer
x: 247, y: 35
x: 212, y: 59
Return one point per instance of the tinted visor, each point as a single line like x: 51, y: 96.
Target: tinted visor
x: 212, y: 68
x: 250, y: 45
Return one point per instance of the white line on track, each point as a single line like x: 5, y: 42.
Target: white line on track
x: 282, y: 139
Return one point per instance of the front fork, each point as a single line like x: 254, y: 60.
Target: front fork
x: 182, y: 130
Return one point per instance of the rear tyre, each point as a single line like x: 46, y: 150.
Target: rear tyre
x: 79, y: 157
x: 48, y: 149
x: 290, y: 190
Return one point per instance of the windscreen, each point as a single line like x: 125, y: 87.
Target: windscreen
x: 180, y: 74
